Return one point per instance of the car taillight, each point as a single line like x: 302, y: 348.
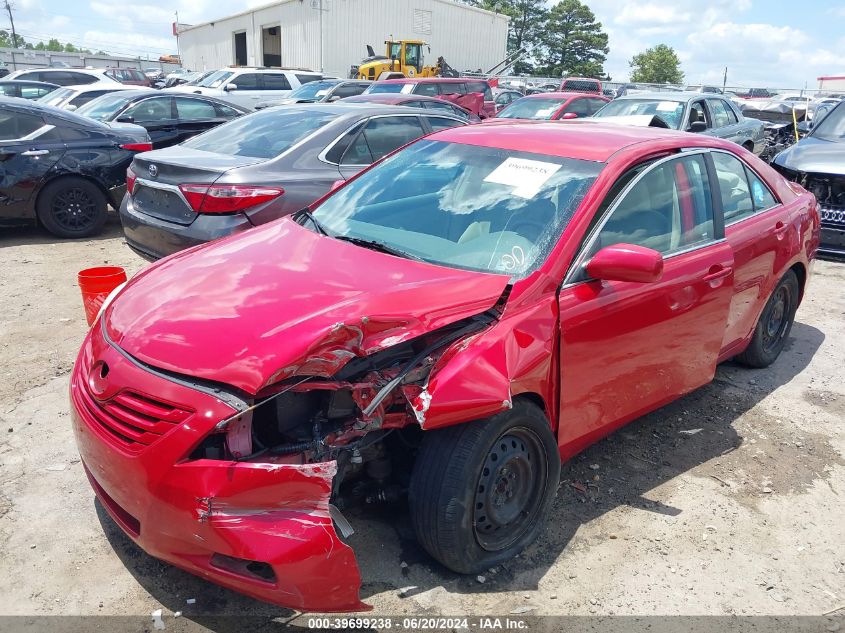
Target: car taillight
x: 131, y: 176
x: 227, y: 198
x: 137, y: 147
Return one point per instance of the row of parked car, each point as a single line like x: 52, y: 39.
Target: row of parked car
x: 327, y: 131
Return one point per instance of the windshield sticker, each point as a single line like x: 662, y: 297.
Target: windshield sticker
x: 545, y: 111
x: 526, y: 176
x: 667, y: 106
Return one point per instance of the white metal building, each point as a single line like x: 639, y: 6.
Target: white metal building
x: 331, y: 35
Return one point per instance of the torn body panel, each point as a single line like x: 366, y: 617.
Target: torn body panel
x: 310, y: 308
x: 262, y: 528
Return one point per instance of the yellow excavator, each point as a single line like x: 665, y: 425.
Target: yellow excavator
x: 404, y: 58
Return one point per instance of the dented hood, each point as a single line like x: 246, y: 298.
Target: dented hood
x: 814, y: 155
x: 281, y: 300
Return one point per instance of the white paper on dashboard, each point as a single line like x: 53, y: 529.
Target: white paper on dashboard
x: 526, y: 176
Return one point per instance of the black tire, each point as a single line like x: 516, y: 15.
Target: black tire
x: 72, y: 207
x: 774, y: 324
x: 468, y: 480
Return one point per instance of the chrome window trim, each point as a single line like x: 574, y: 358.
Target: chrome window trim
x: 580, y: 258
x: 32, y: 135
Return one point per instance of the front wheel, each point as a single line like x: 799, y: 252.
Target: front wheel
x: 775, y: 322
x: 480, y: 491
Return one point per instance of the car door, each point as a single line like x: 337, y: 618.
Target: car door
x: 157, y: 115
x: 379, y: 136
x: 757, y: 227
x: 195, y: 115
x: 29, y: 148
x: 627, y: 348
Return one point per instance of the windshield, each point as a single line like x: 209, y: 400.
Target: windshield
x: 313, y: 90
x: 670, y: 111
x: 463, y: 206
x: 264, y: 134
x: 531, y: 109
x: 216, y: 79
x: 103, y: 108
x: 57, y: 96
x: 379, y: 88
x: 832, y: 126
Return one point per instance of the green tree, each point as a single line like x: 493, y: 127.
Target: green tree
x: 573, y: 42
x: 527, y: 21
x: 657, y: 65
x: 6, y: 40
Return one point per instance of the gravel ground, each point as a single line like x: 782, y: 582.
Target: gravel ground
x: 724, y: 502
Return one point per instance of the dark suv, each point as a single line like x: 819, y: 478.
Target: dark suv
x: 129, y: 76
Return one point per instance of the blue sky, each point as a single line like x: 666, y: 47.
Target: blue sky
x: 772, y: 43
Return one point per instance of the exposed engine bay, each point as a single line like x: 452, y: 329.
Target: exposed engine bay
x: 367, y: 417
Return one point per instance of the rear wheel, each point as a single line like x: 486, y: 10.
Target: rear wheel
x: 775, y: 322
x: 480, y: 491
x: 72, y: 207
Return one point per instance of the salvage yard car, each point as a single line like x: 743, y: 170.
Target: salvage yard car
x: 817, y: 162
x: 464, y: 315
x: 694, y: 112
x: 169, y: 119
x: 62, y: 170
x: 553, y: 105
x: 259, y: 168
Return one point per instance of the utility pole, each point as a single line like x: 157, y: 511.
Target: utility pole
x: 14, y: 35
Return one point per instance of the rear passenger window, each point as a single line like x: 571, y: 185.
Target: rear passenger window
x: 668, y: 210
x: 760, y: 193
x: 579, y: 106
x: 77, y: 79
x: 194, y: 109
x: 225, y: 111
x: 380, y: 137
x: 304, y: 79
x: 721, y: 117
x: 276, y: 81
x: 733, y: 187
x: 14, y: 124
x: 481, y: 86
x: 441, y: 123
x: 427, y: 89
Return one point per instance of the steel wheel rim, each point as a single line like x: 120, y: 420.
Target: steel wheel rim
x: 510, y: 489
x: 74, y: 209
x: 777, y: 318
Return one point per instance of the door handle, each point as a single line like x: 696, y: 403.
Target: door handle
x: 35, y: 152
x: 780, y: 228
x: 718, y: 272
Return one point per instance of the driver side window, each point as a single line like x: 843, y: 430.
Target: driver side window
x: 697, y: 112
x: 669, y: 209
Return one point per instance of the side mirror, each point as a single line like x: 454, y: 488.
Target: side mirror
x: 230, y: 87
x: 626, y: 262
x: 334, y: 98
x: 71, y: 107
x: 697, y: 127
x: 569, y: 116
x: 126, y: 119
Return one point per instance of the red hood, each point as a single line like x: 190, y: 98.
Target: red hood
x: 281, y: 300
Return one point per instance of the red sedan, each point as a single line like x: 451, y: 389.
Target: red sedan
x: 454, y: 321
x: 550, y: 106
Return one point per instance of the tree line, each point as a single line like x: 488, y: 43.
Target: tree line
x: 568, y: 40
x: 53, y: 45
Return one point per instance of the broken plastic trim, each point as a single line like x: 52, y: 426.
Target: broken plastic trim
x: 478, y: 323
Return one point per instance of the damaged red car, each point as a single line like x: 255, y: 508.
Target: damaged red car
x: 448, y: 326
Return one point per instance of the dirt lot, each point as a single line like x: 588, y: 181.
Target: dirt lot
x: 726, y: 502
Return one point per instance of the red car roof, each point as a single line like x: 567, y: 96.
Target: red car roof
x: 584, y: 139
x: 422, y: 80
x: 562, y: 95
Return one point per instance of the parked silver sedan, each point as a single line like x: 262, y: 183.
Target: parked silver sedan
x: 689, y: 111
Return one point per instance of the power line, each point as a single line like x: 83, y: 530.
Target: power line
x: 14, y: 36
x: 86, y: 43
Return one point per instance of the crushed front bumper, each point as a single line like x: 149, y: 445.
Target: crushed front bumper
x: 262, y: 529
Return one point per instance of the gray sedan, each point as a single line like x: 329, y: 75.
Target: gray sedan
x: 258, y: 168
x: 690, y: 111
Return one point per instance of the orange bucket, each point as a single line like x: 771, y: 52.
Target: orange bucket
x: 96, y: 284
